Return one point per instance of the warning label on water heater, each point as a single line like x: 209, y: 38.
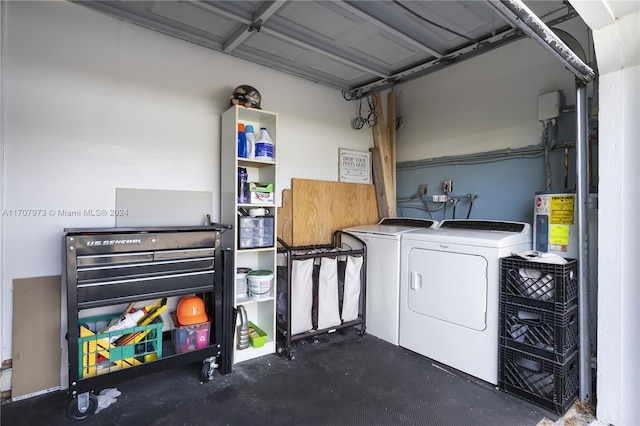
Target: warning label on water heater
x: 561, y: 209
x: 559, y: 237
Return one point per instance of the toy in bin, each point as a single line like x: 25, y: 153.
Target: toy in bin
x: 190, y: 325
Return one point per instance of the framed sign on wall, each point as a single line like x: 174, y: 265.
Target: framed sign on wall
x: 355, y: 166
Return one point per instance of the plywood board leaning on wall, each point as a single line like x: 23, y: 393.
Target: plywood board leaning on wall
x: 36, y: 336
x: 318, y: 208
x: 285, y: 218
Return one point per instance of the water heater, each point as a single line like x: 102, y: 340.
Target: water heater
x: 555, y: 227
x: 555, y: 230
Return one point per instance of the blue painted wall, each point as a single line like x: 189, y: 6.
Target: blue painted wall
x: 505, y: 188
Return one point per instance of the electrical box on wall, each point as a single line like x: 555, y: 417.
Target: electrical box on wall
x: 548, y: 106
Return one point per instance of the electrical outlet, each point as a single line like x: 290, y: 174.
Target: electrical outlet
x: 447, y: 186
x: 423, y: 189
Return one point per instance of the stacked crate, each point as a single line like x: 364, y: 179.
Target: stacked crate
x: 539, y: 332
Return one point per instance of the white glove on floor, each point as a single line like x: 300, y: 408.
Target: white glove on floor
x: 106, y: 397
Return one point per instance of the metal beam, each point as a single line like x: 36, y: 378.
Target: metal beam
x: 490, y: 43
x: 437, y: 64
x: 266, y: 10
x: 389, y: 29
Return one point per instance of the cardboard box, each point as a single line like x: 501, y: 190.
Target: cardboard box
x: 261, y: 198
x: 260, y: 187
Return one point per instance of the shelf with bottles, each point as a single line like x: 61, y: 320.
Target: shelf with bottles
x: 253, y: 241
x: 256, y: 136
x: 262, y: 315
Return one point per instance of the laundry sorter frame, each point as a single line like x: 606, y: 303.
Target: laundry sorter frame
x: 343, y: 244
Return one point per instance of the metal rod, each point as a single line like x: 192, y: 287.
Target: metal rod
x: 583, y: 252
x: 520, y: 15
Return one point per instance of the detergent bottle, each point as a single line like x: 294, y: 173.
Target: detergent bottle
x: 264, y: 146
x: 242, y: 141
x: 251, y: 141
x: 130, y: 319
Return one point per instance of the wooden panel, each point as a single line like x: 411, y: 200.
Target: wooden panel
x: 381, y: 140
x: 378, y: 182
x: 36, y: 336
x: 392, y: 124
x: 322, y: 207
x: 285, y: 217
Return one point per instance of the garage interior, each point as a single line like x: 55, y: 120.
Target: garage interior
x: 107, y: 100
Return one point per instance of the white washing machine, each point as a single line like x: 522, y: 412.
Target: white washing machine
x: 383, y: 272
x: 449, y: 294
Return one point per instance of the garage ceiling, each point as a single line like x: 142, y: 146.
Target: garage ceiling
x: 356, y: 46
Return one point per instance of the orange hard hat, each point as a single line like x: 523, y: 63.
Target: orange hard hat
x: 191, y: 311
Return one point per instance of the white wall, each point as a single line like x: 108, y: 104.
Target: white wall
x: 91, y: 103
x: 486, y: 103
x: 616, y: 37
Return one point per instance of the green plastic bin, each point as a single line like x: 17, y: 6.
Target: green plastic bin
x: 97, y: 356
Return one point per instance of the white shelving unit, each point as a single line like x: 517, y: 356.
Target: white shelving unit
x: 261, y: 312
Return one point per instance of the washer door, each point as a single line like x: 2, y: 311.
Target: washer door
x: 448, y: 286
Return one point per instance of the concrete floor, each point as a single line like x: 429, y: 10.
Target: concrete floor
x: 335, y: 380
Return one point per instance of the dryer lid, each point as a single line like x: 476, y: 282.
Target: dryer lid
x: 483, y: 225
x: 408, y: 221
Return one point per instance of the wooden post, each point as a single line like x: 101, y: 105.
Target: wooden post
x: 386, y: 177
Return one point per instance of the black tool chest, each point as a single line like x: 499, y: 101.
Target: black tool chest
x: 114, y: 266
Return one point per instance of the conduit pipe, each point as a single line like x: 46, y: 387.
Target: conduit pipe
x: 519, y: 15
x: 583, y: 230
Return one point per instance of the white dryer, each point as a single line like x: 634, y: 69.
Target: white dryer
x: 383, y: 272
x: 449, y: 294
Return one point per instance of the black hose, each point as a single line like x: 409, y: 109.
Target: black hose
x: 470, y: 206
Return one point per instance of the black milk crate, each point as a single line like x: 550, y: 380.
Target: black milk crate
x: 544, y: 282
x: 539, y: 331
x: 550, y: 385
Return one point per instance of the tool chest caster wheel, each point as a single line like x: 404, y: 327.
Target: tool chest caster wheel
x: 78, y: 410
x: 209, y: 366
